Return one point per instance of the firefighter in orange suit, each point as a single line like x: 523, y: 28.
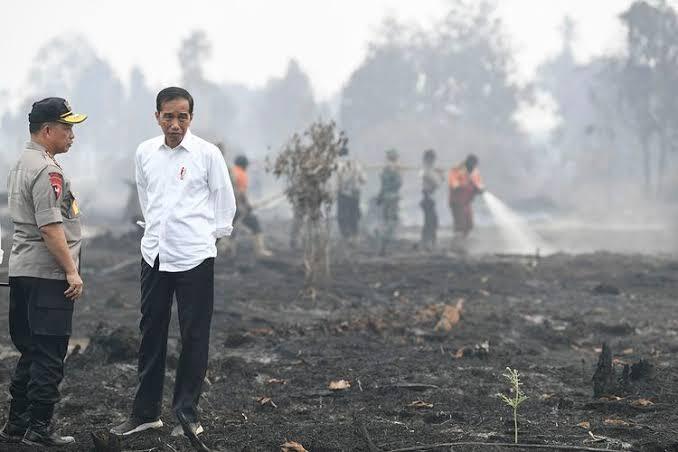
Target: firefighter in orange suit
x: 464, y: 184
x: 245, y: 215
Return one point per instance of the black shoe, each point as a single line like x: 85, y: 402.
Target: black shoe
x: 135, y: 425
x: 190, y: 428
x: 194, y: 427
x: 39, y: 436
x: 12, y: 433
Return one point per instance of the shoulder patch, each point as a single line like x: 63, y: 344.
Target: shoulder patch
x: 56, y: 180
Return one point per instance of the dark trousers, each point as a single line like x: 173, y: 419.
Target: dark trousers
x: 429, y: 232
x: 249, y: 220
x: 348, y: 215
x: 40, y: 319
x: 194, y: 290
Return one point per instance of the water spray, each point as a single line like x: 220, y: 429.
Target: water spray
x: 516, y: 232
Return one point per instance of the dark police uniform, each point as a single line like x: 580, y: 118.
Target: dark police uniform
x: 40, y: 315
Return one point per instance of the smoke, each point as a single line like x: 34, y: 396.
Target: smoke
x: 449, y: 87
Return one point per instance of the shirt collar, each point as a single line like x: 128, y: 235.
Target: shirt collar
x: 188, y: 143
x: 32, y: 145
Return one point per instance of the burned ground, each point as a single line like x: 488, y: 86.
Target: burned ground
x: 275, y: 349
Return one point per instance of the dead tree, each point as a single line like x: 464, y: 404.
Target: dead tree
x: 307, y: 163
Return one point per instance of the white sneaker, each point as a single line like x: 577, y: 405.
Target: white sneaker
x: 132, y: 425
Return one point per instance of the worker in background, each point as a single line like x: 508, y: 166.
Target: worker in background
x: 430, y: 181
x: 350, y: 179
x: 244, y: 213
x: 464, y: 184
x: 388, y: 199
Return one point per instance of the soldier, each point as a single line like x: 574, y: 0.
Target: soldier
x: 244, y: 214
x: 430, y: 180
x: 44, y: 273
x: 388, y: 198
x: 350, y: 178
x: 188, y: 203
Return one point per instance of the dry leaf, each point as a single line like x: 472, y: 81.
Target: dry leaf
x: 263, y: 401
x: 428, y: 313
x: 459, y: 353
x: 627, y: 351
x: 376, y: 325
x: 339, y: 385
x: 420, y: 404
x: 642, y: 402
x: 264, y: 331
x: 450, y: 317
x: 292, y: 446
x: 276, y: 381
x: 616, y: 422
x: 586, y: 425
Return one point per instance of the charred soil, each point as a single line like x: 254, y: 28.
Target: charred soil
x: 408, y: 381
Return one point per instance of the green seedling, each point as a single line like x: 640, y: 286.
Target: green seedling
x: 517, y: 396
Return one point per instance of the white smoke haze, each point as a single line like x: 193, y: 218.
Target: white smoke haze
x: 575, y: 136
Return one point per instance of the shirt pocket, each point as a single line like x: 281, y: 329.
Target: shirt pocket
x: 194, y: 179
x: 50, y: 312
x: 69, y: 206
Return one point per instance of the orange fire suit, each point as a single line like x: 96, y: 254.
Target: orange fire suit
x: 463, y: 188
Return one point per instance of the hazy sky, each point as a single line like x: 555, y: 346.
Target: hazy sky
x: 253, y: 39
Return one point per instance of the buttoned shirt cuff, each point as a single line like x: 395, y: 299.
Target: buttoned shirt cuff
x: 223, y: 232
x: 48, y: 216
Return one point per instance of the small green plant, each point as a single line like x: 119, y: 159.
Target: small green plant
x: 517, y: 396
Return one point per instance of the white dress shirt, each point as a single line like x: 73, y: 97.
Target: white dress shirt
x: 187, y: 201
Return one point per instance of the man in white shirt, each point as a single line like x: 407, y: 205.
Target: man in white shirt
x: 187, y: 201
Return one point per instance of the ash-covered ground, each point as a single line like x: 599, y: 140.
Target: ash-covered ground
x: 386, y: 325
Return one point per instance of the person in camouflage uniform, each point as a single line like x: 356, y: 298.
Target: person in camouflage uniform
x: 430, y: 180
x: 388, y: 199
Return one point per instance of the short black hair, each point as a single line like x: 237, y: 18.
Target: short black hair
x: 429, y: 154
x: 171, y: 93
x: 34, y: 128
x: 471, y: 161
x: 242, y: 161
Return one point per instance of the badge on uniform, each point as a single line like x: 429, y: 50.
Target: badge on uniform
x: 75, y: 210
x: 56, y: 180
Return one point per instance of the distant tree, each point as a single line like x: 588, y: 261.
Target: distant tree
x: 649, y: 81
x: 385, y: 84
x: 214, y: 110
x: 286, y: 104
x: 448, y: 87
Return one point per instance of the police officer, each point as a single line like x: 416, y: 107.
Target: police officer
x: 43, y: 273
